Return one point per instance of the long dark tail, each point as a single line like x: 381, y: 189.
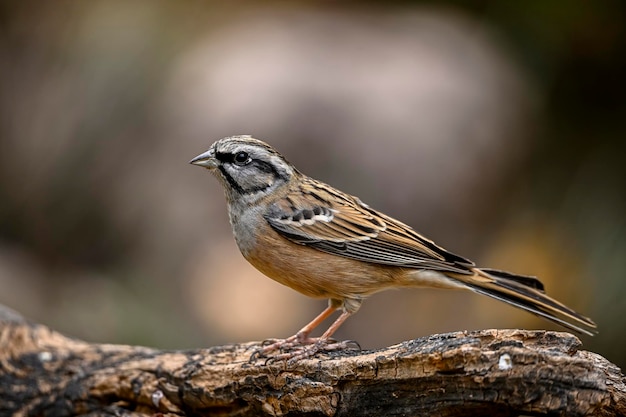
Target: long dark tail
x: 526, y: 293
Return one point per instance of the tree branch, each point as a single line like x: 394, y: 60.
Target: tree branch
x: 490, y: 372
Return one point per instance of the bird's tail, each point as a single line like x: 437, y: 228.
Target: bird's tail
x: 526, y: 293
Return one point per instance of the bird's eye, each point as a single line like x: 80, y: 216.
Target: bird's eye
x: 242, y: 158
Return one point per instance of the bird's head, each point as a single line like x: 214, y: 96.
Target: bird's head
x: 247, y: 168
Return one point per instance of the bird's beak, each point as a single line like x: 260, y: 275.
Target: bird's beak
x: 206, y: 159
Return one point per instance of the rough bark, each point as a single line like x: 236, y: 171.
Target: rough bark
x: 490, y: 372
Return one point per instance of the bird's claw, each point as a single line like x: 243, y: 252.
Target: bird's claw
x: 355, y: 345
x: 268, y: 342
x: 292, y: 349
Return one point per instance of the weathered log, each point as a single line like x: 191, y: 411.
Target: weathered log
x: 490, y: 372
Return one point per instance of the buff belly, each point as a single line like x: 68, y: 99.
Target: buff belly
x: 320, y: 275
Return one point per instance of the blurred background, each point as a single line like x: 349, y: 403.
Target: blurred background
x: 495, y: 128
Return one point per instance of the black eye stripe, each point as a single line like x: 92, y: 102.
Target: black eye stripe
x: 239, y: 158
x: 264, y: 167
x: 248, y: 174
x: 225, y: 157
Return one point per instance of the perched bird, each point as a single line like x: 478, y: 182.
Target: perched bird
x: 325, y: 243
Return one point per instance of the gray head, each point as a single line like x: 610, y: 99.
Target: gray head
x: 247, y: 168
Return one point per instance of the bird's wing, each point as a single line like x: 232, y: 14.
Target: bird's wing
x: 331, y: 221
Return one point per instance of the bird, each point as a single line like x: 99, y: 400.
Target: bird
x: 327, y: 244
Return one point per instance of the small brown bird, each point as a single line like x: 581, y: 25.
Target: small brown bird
x: 325, y: 243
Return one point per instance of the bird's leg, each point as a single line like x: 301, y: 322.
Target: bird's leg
x: 302, y: 337
x: 333, y: 327
x: 306, y: 346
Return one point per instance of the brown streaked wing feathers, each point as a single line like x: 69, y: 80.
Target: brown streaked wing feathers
x: 356, y: 231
